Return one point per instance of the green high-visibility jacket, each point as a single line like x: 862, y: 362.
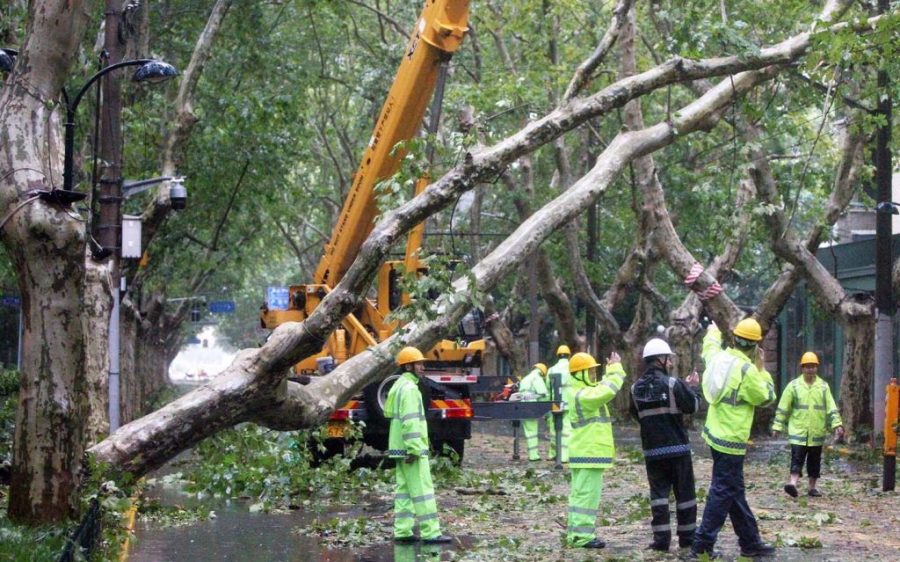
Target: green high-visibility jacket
x: 808, y: 411
x: 533, y: 383
x: 730, y: 416
x: 409, y: 430
x: 591, y: 444
x: 561, y: 367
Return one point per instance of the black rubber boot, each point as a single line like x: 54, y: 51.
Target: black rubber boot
x: 411, y: 538
x: 596, y: 543
x: 440, y: 539
x: 698, y: 554
x: 758, y: 550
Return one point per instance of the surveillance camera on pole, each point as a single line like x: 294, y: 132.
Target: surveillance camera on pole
x: 177, y: 194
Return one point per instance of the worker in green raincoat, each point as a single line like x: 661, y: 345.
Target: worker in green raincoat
x: 591, y: 448
x: 414, y: 500
x: 735, y: 383
x: 808, y: 411
x: 533, y: 389
x: 561, y: 370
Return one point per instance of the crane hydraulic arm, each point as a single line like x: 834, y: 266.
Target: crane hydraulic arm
x: 437, y: 35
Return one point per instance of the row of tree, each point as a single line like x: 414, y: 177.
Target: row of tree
x: 730, y: 137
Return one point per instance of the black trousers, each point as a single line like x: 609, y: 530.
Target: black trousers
x: 726, y: 499
x: 812, y: 456
x: 664, y: 475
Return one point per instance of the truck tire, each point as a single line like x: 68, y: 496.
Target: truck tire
x: 375, y: 395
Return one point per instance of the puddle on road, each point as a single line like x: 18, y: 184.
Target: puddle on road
x: 237, y: 535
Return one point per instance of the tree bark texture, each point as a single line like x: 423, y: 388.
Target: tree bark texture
x: 46, y: 246
x: 859, y: 359
x: 97, y: 308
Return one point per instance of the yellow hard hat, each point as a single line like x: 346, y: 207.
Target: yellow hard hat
x: 749, y: 329
x: 563, y: 350
x: 541, y: 367
x: 582, y: 361
x: 809, y: 358
x: 409, y: 355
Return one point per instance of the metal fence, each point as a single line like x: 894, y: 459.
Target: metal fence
x: 83, y: 541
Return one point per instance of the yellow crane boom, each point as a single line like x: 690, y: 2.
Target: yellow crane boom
x: 437, y: 35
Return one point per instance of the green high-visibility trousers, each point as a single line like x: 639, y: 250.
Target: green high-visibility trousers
x: 584, y: 505
x: 530, y: 429
x: 414, y: 499
x: 566, y: 435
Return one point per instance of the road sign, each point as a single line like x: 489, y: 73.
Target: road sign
x: 10, y: 300
x: 277, y: 298
x: 221, y: 307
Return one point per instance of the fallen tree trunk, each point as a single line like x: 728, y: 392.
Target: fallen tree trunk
x: 253, y: 388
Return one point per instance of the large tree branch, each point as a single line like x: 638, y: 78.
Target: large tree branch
x: 849, y: 167
x: 586, y: 69
x: 654, y: 215
x: 172, y: 155
x: 602, y: 311
x: 788, y: 247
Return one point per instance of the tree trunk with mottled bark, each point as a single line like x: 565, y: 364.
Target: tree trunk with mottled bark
x: 46, y: 245
x: 97, y: 308
x: 130, y: 385
x: 856, y: 390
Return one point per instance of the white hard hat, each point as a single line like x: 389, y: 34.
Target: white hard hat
x: 655, y: 347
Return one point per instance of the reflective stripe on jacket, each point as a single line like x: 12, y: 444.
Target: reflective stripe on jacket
x: 591, y: 444
x: 730, y: 416
x: 409, y: 430
x: 808, y: 411
x: 658, y: 401
x: 533, y: 383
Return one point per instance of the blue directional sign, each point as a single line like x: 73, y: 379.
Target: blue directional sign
x: 10, y: 300
x: 221, y: 307
x: 277, y: 298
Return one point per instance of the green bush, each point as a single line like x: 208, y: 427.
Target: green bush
x: 27, y: 544
x: 9, y: 382
x: 275, y: 469
x: 9, y: 387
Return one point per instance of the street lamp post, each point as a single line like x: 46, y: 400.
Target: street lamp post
x: 150, y: 70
